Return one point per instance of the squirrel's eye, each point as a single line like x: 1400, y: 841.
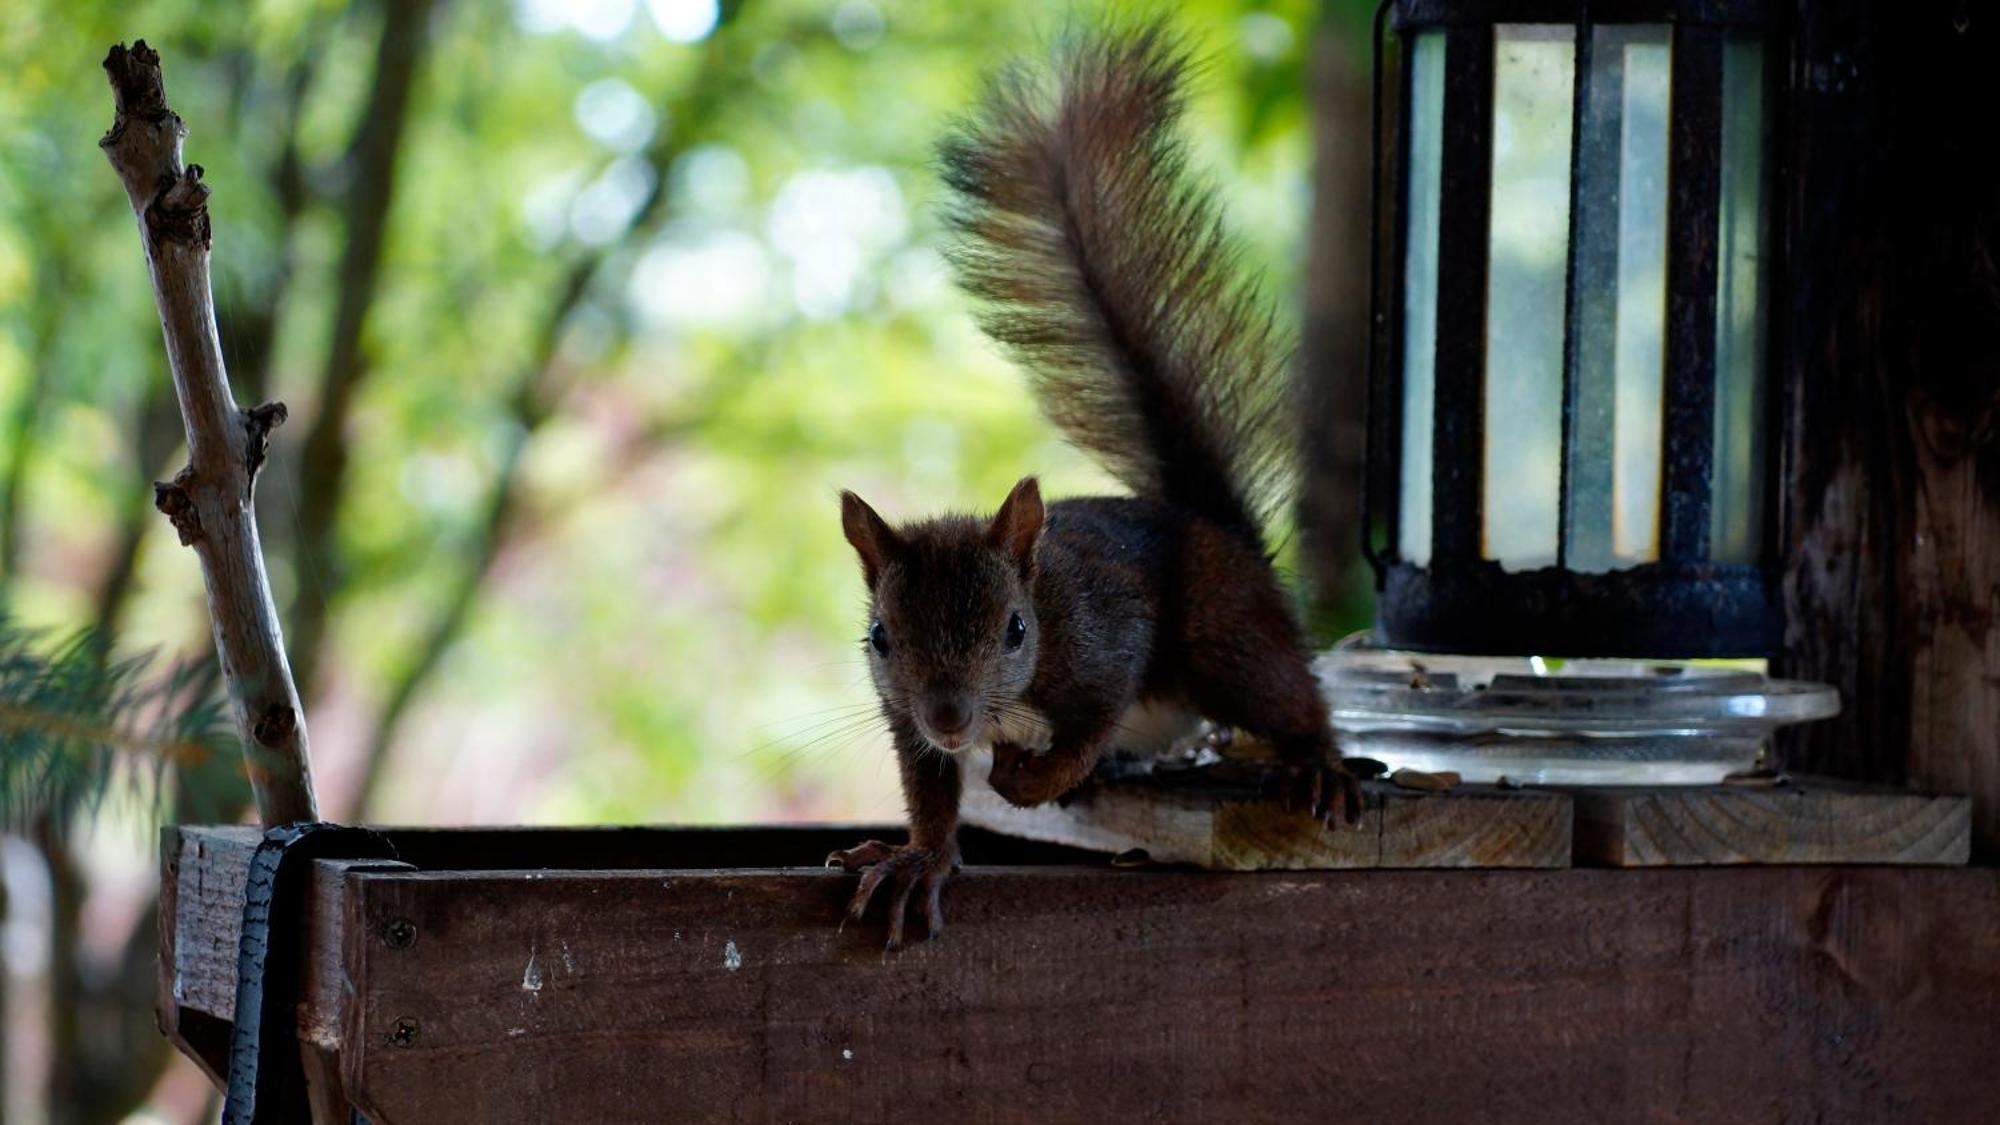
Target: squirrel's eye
x: 879, y: 637
x: 1017, y: 631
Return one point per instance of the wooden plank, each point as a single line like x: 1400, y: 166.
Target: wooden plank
x: 203, y: 870
x: 1476, y: 826
x: 1891, y: 377
x: 198, y: 962
x: 1812, y: 820
x: 1743, y: 993
x: 1069, y: 994
x: 1235, y: 829
x: 226, y: 849
x: 200, y: 1035
x: 324, y: 985
x: 203, y: 896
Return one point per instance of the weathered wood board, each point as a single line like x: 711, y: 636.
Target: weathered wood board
x: 1224, y: 829
x: 1889, y: 369
x: 1811, y: 820
x: 1075, y: 992
x: 202, y: 889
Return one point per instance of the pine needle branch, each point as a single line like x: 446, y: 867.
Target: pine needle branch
x: 75, y: 728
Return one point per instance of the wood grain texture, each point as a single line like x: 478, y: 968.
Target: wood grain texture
x: 204, y: 867
x: 205, y: 894
x: 1068, y: 994
x: 325, y: 987
x: 202, y: 914
x: 1810, y: 821
x: 1225, y: 829
x: 201, y: 1035
x: 1082, y: 993
x: 1890, y: 326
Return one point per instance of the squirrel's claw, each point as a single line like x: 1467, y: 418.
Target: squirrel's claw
x: 1324, y: 790
x: 934, y: 907
x: 860, y: 856
x: 905, y: 867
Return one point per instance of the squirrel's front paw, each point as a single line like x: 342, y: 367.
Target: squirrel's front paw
x: 1024, y: 777
x: 906, y: 867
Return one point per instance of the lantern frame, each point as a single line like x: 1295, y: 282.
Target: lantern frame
x: 1683, y: 604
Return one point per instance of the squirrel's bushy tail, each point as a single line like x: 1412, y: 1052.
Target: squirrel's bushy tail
x: 1108, y: 275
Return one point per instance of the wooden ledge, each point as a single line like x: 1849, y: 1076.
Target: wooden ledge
x: 1224, y: 829
x: 1221, y: 827
x: 1809, y: 820
x: 682, y: 977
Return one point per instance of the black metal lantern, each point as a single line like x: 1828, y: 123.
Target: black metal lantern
x: 1570, y: 433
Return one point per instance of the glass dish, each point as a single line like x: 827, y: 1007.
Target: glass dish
x: 1571, y: 722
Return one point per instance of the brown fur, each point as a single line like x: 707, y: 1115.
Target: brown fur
x: 1110, y: 280
x: 1107, y: 274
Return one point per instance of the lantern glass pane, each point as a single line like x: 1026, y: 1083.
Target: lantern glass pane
x: 1534, y: 69
x: 1619, y: 301
x: 1420, y: 285
x: 1737, y: 483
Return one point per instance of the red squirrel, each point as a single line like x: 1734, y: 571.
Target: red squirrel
x: 1108, y: 277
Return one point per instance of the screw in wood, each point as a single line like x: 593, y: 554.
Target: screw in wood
x: 399, y: 933
x: 404, y: 1034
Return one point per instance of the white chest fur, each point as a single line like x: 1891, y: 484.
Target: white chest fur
x: 1144, y: 729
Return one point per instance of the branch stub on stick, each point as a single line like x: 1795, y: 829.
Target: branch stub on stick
x: 180, y: 212
x: 258, y: 422
x: 173, y: 501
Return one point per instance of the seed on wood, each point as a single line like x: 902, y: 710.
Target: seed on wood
x: 1364, y: 768
x: 1428, y: 782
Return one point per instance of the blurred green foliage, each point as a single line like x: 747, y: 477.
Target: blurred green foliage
x: 657, y: 279
x: 75, y: 725
x: 667, y: 628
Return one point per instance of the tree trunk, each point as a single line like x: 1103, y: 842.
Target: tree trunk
x: 1334, y: 341
x: 26, y: 423
x: 378, y: 139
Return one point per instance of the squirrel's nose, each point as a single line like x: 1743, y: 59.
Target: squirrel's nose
x: 949, y: 716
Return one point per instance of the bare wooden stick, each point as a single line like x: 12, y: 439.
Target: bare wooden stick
x: 211, y: 500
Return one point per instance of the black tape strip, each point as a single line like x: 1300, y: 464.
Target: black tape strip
x: 266, y: 1080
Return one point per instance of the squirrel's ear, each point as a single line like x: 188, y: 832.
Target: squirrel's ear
x: 873, y: 539
x: 1018, y: 524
